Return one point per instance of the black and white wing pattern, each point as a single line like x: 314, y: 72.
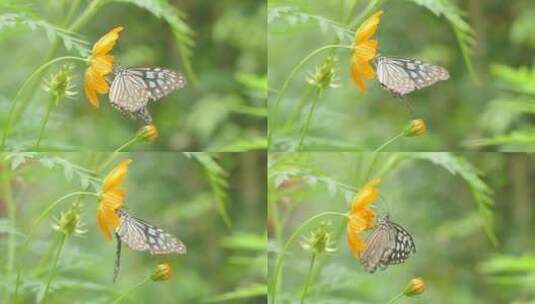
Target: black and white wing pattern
x: 132, y: 88
x: 141, y: 236
x: 404, y: 76
x: 388, y: 244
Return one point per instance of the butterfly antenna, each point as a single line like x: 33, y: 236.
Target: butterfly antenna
x: 117, y: 258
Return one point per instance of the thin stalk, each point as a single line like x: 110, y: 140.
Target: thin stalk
x: 40, y: 218
x: 299, y: 108
x: 391, y: 140
x: 304, y: 130
x: 370, y: 168
x: 89, y: 12
x: 273, y: 116
x: 395, y: 299
x: 61, y: 242
x: 129, y: 291
x: 115, y: 153
x: 11, y: 211
x: 70, y: 13
x: 280, y: 258
x: 10, y: 118
x: 309, y: 278
x: 53, y: 100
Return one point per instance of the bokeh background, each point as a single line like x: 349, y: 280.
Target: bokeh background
x: 487, y: 46
x: 219, y: 45
x: 181, y: 193
x: 471, y: 216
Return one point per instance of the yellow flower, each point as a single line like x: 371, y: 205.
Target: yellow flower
x: 112, y: 199
x: 148, y: 133
x: 415, y: 287
x: 163, y: 272
x: 361, y: 216
x: 100, y: 65
x: 416, y: 128
x: 364, y: 50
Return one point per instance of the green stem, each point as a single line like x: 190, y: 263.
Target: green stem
x: 89, y: 12
x: 54, y: 265
x: 280, y: 258
x: 309, y: 278
x: 11, y: 211
x: 391, y: 140
x: 115, y: 153
x: 10, y: 118
x: 129, y: 291
x: 53, y: 100
x: 70, y: 13
x: 395, y: 299
x: 299, y: 108
x: 40, y: 218
x: 371, y: 6
x: 273, y: 116
x: 304, y: 130
x: 370, y: 168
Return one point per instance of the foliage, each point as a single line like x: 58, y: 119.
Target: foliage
x: 453, y: 204
x: 221, y: 109
x: 345, y: 120
x: 161, y: 189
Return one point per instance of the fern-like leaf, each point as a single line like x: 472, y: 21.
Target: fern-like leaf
x: 70, y: 40
x: 462, y: 30
x: 217, y: 177
x: 293, y: 16
x: 176, y: 20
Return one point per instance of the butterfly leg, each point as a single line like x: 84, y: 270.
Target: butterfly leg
x: 407, y: 103
x: 144, y: 115
x: 123, y: 111
x: 117, y: 258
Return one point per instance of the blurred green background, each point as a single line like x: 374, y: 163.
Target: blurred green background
x: 219, y: 45
x: 178, y: 192
x: 487, y: 46
x: 471, y: 215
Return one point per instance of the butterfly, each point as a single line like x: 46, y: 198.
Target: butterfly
x: 388, y: 244
x: 404, y: 76
x: 141, y: 236
x: 132, y: 88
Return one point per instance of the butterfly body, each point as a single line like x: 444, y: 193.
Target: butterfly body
x: 132, y: 89
x: 388, y: 244
x: 404, y: 76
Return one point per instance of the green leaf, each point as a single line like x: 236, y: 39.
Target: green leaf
x: 520, y: 79
x: 217, y: 177
x: 462, y: 30
x: 181, y: 30
x: 482, y: 193
x: 70, y: 39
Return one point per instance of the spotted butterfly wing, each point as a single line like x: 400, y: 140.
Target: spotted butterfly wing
x: 141, y: 236
x: 132, y: 88
x: 388, y: 244
x: 404, y: 76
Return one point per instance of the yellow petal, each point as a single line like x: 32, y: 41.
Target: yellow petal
x: 356, y: 77
x: 106, y: 42
x: 366, y: 70
x: 116, y: 176
x: 89, y: 88
x: 355, y: 243
x: 102, y: 64
x: 368, y: 27
x: 366, y: 50
x: 367, y: 195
